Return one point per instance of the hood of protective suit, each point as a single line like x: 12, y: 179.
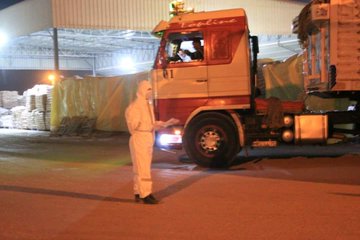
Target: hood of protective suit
x: 143, y: 88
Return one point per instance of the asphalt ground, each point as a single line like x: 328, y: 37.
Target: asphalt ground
x: 81, y: 188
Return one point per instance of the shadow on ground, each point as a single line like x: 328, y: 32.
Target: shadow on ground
x: 59, y: 193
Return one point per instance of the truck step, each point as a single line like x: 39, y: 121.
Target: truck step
x: 269, y: 143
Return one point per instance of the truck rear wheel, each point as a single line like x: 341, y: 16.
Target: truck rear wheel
x: 211, y: 140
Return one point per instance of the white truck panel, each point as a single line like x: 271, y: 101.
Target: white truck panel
x: 231, y: 79
x: 179, y: 81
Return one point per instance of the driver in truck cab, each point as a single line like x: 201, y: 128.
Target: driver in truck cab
x: 199, y: 50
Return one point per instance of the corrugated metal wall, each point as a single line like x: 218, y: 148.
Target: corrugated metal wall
x: 271, y: 17
x: 265, y: 16
x: 109, y: 14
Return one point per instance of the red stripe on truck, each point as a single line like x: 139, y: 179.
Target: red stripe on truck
x: 181, y: 108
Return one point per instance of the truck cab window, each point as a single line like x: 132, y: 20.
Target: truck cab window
x: 220, y: 45
x: 185, y: 47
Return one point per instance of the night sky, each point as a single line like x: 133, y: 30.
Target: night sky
x: 8, y: 3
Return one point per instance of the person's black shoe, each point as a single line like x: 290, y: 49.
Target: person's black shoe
x: 150, y: 199
x: 137, y: 198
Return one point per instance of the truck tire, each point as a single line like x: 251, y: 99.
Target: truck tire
x: 211, y: 140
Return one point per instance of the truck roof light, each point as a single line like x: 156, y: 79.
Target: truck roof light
x: 176, y: 7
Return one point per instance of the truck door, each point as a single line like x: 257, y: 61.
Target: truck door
x: 184, y: 71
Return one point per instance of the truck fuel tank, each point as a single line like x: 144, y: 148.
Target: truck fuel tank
x: 311, y: 128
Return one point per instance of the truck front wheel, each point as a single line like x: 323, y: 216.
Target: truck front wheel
x: 210, y: 140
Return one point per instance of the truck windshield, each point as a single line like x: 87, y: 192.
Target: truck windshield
x: 185, y: 47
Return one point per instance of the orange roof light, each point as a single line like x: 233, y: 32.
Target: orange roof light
x: 52, y: 78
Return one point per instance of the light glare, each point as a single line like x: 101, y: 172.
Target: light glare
x: 127, y: 62
x: 51, y: 78
x: 3, y: 39
x: 166, y: 139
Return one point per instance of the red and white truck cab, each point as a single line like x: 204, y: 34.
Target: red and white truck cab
x: 220, y: 81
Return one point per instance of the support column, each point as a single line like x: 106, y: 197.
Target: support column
x: 94, y: 66
x: 56, y: 52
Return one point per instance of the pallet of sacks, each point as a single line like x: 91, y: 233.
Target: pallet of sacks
x: 8, y: 99
x: 6, y: 119
x: 16, y: 113
x: 38, y: 103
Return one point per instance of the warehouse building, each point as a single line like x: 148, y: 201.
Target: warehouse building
x: 107, y: 38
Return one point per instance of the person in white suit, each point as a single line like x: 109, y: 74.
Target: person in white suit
x: 142, y: 126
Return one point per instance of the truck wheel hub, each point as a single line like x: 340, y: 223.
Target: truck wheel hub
x: 210, y: 141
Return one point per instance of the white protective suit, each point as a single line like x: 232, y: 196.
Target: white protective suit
x: 141, y: 123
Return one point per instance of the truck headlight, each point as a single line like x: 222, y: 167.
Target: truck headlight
x: 170, y: 138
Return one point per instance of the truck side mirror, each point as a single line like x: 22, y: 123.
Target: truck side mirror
x: 255, y: 44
